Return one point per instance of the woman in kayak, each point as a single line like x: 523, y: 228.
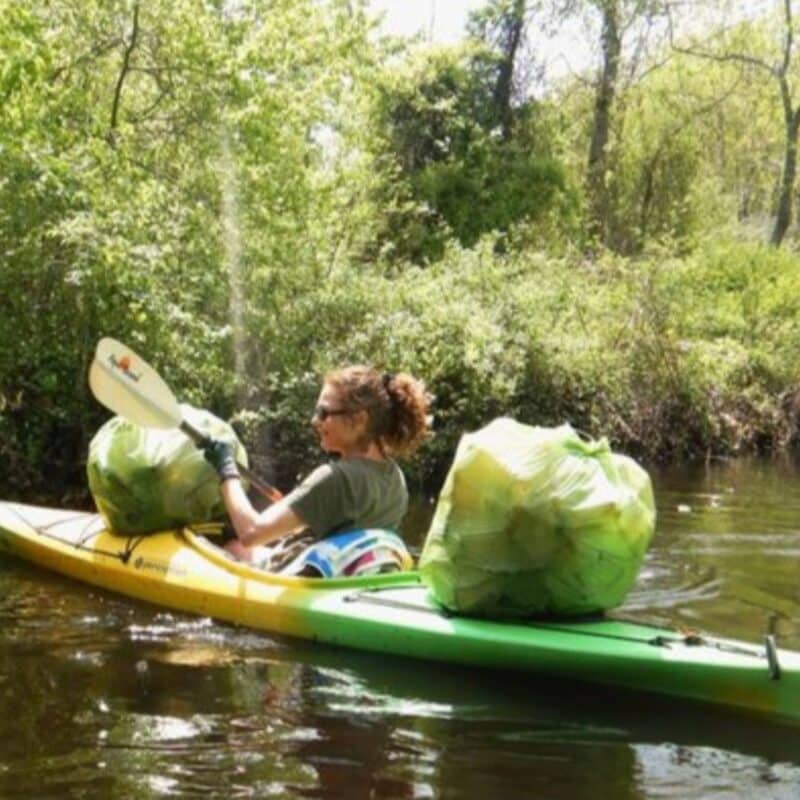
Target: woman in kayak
x: 365, y: 419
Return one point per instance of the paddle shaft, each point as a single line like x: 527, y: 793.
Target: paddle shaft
x: 200, y: 439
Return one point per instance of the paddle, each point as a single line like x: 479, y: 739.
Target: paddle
x: 127, y: 385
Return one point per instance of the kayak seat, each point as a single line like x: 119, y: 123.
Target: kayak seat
x: 370, y: 551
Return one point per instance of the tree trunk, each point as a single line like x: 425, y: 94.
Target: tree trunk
x: 123, y: 72
x: 597, y: 189
x: 783, y: 217
x: 505, y: 78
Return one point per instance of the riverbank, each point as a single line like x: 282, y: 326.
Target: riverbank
x: 670, y: 356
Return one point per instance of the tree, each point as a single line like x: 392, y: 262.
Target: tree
x: 115, y: 120
x: 501, y: 25
x: 598, y: 162
x: 473, y: 152
x: 724, y: 46
x: 626, y: 34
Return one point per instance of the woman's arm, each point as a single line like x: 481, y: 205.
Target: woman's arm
x: 253, y: 527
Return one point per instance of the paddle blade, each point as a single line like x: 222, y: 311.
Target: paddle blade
x: 127, y: 385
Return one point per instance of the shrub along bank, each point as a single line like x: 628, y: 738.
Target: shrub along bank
x: 670, y: 357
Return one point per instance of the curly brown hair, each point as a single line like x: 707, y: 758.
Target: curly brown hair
x: 396, y: 404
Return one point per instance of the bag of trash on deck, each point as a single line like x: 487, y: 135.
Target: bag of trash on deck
x: 146, y: 479
x: 537, y: 521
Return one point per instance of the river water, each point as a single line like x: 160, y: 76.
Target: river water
x: 105, y: 697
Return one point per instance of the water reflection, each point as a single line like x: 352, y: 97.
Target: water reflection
x: 730, y: 532
x: 103, y: 697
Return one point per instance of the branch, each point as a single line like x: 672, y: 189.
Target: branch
x: 124, y: 71
x: 640, y: 54
x: 741, y: 58
x: 787, y: 50
x: 96, y: 52
x: 145, y: 113
x: 701, y: 111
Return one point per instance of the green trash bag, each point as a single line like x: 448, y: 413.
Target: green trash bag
x: 537, y: 521
x: 145, y: 480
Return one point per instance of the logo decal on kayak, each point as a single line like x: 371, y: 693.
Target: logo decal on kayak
x: 161, y: 567
x: 123, y: 364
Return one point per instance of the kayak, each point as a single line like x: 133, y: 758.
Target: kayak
x: 394, y: 614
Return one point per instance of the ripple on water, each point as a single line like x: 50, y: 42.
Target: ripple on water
x: 666, y: 770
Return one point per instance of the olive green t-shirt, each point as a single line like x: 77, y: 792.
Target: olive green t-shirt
x: 350, y: 494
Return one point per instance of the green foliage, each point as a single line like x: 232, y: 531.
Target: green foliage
x: 458, y: 176
x: 253, y: 197
x: 111, y: 200
x: 668, y: 356
x: 696, y: 143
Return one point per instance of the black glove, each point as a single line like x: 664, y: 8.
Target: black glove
x: 219, y: 454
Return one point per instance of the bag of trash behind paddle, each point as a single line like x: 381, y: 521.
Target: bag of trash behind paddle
x: 536, y: 521
x: 145, y: 479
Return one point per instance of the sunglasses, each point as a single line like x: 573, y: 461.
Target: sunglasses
x: 323, y: 412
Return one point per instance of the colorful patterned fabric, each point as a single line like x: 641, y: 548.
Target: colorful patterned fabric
x: 360, y: 552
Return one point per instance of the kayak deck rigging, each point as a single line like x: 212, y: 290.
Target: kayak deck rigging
x: 580, y: 627
x: 79, y: 531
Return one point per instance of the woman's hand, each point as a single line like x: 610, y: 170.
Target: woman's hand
x: 239, y: 551
x: 220, y: 454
